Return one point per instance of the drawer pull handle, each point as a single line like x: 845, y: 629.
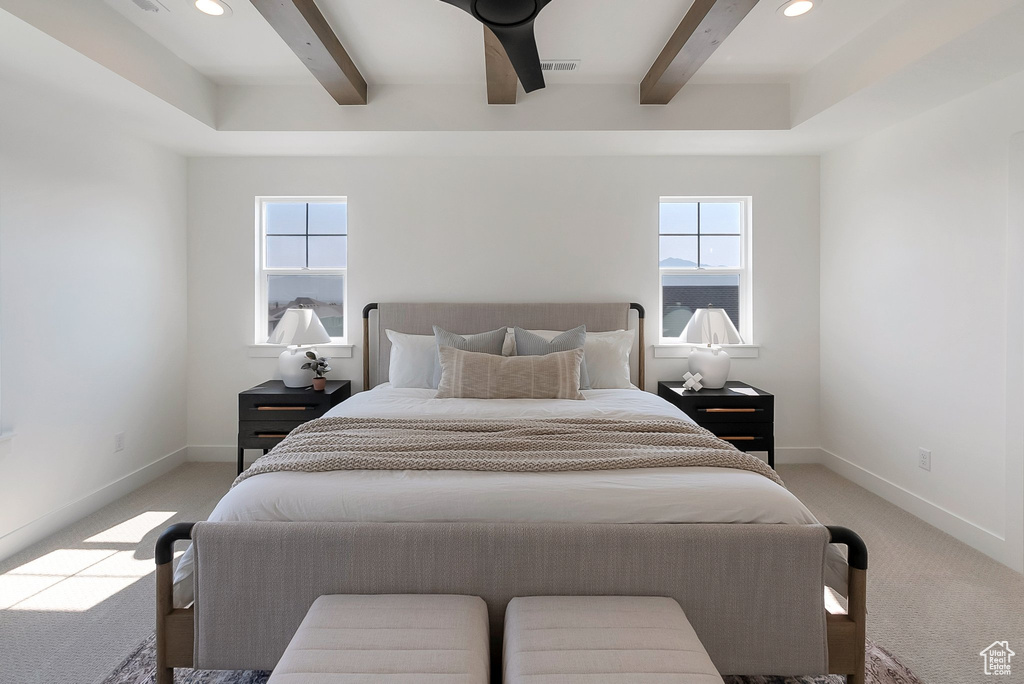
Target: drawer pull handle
x: 283, y: 408
x: 268, y: 435
x: 738, y: 439
x: 730, y: 410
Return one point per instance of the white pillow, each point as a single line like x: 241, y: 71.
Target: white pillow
x: 607, y: 351
x: 413, y: 360
x: 607, y: 355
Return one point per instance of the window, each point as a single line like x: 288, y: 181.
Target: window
x: 303, y: 254
x: 704, y: 259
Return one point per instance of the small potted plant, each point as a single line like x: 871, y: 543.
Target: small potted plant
x: 319, y: 366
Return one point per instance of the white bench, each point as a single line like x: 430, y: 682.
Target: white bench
x: 602, y: 640
x: 389, y: 639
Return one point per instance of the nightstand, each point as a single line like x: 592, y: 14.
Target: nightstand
x: 745, y: 421
x: 268, y: 412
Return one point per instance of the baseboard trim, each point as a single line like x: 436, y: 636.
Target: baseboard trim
x: 988, y: 542
x: 54, y: 521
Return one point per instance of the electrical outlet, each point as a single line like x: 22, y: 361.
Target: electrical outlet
x: 119, y: 441
x: 924, y: 459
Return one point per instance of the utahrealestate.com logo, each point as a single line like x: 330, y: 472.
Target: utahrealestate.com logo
x: 997, y: 658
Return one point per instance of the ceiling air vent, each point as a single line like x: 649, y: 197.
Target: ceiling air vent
x: 559, y: 64
x: 149, y: 5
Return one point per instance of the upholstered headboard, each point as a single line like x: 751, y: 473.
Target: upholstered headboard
x: 467, y: 319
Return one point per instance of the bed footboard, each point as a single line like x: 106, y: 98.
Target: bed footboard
x: 738, y: 583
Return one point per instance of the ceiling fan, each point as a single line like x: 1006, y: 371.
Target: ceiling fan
x: 511, y: 21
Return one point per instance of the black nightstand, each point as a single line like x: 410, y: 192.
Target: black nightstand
x: 747, y: 422
x: 268, y: 412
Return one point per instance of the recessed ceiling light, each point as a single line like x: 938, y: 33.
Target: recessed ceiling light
x: 215, y: 8
x: 796, y: 8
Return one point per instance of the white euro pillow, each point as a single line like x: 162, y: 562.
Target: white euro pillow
x: 413, y: 361
x: 607, y: 355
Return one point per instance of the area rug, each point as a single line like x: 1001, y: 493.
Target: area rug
x: 138, y: 668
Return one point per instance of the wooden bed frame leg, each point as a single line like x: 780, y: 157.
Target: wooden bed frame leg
x: 164, y: 605
x: 857, y: 610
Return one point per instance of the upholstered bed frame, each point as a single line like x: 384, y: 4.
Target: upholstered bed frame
x: 754, y: 593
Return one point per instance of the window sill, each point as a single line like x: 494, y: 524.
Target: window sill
x: 682, y: 351
x: 331, y: 351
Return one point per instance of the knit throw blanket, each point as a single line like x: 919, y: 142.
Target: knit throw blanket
x: 503, y: 445
x: 547, y: 445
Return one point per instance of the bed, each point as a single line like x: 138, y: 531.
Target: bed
x: 745, y: 559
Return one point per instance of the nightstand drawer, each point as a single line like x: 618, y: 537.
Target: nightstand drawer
x: 277, y: 410
x: 249, y: 430
x: 726, y: 409
x: 741, y: 433
x: 263, y: 434
x: 731, y: 414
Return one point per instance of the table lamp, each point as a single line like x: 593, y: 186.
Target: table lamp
x: 298, y: 328
x: 710, y: 328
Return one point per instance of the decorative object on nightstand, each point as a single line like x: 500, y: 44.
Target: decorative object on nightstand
x: 692, y: 382
x: 298, y: 328
x: 319, y: 366
x: 739, y: 413
x: 710, y: 328
x: 268, y: 412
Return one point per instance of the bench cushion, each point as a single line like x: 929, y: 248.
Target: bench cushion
x: 387, y: 639
x: 602, y: 640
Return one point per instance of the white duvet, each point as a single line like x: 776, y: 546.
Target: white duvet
x: 642, y: 495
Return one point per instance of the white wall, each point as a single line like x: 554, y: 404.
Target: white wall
x: 92, y: 279
x: 501, y: 229
x: 921, y: 337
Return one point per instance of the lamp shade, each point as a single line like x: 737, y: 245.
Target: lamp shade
x: 299, y: 326
x: 710, y: 326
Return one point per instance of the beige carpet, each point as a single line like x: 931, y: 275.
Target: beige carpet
x: 75, y: 605
x: 932, y: 601
x: 72, y: 606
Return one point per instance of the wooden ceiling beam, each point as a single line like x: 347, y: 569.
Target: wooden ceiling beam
x: 502, y: 81
x: 304, y: 28
x: 702, y: 30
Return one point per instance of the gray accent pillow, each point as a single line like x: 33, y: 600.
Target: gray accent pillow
x: 484, y: 343
x: 528, y: 344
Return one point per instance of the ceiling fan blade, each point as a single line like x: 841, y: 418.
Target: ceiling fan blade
x: 521, y: 47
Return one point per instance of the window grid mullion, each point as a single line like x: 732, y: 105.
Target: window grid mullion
x: 698, y: 234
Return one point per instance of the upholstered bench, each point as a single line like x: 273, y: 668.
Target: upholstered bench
x: 602, y: 640
x: 387, y: 639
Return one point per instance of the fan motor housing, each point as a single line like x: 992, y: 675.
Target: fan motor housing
x: 505, y: 12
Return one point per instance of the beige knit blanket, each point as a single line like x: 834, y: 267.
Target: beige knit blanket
x: 547, y: 445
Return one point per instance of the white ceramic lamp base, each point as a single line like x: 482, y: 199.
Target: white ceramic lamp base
x: 289, y: 365
x: 712, y: 365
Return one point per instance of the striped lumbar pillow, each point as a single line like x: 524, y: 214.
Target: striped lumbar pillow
x: 471, y: 375
x: 529, y: 344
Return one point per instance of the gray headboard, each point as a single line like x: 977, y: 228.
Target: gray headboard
x: 467, y: 319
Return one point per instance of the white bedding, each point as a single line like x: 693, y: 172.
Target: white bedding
x: 643, y: 495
